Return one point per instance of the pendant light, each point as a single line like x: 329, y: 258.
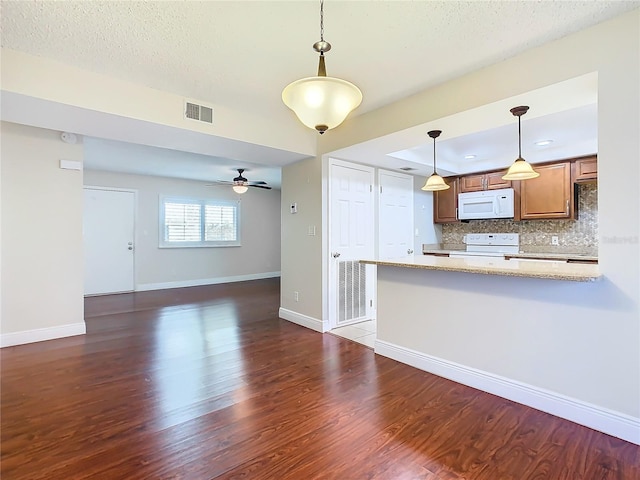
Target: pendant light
x: 240, y: 188
x: 520, y: 169
x: 435, y: 182
x: 321, y: 102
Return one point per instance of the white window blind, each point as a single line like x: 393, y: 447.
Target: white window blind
x: 192, y: 222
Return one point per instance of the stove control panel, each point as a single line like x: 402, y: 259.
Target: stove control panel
x: 506, y: 239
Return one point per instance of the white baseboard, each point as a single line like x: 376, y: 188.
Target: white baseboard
x: 42, y: 334
x: 604, y: 420
x: 304, y: 320
x: 144, y: 287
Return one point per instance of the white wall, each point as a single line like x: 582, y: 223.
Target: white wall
x: 41, y: 237
x: 258, y: 257
x: 592, y: 349
x: 300, y: 257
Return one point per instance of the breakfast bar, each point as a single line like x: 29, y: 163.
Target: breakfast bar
x: 522, y: 330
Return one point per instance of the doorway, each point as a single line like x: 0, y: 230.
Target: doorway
x: 108, y: 231
x: 351, y: 238
x: 395, y: 215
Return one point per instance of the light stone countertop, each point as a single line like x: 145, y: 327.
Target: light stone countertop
x: 575, y: 272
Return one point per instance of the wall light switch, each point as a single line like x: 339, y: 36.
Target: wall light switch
x: 311, y: 230
x: 294, y: 208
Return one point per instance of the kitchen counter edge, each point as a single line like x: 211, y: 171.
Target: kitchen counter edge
x: 574, y: 272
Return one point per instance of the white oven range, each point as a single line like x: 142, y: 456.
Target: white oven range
x: 489, y: 245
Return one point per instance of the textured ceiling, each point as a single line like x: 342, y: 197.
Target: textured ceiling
x: 241, y: 54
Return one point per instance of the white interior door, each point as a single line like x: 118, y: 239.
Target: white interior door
x: 108, y: 235
x: 395, y: 219
x: 351, y: 238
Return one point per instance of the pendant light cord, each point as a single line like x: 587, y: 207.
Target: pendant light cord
x: 322, y: 20
x: 519, y: 139
x: 434, y: 156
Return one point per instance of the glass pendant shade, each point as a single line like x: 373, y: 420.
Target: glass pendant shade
x: 321, y: 103
x: 435, y: 183
x: 240, y: 188
x: 520, y: 170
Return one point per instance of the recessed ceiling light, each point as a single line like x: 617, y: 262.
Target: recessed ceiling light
x: 469, y: 157
x: 544, y: 143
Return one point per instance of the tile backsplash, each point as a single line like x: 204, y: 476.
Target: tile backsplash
x: 578, y: 236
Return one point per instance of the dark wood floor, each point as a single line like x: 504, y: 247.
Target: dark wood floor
x: 207, y: 382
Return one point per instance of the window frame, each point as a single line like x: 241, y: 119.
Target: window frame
x: 202, y: 203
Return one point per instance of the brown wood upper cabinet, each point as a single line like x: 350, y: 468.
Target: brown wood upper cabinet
x: 483, y: 181
x: 585, y: 169
x: 550, y: 195
x: 445, y: 203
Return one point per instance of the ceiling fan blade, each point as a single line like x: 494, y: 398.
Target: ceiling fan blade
x: 217, y: 183
x: 266, y: 187
x: 258, y: 183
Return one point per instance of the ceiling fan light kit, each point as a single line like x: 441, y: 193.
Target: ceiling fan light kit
x: 435, y: 182
x: 520, y: 169
x: 321, y: 102
x: 240, y: 188
x: 240, y: 184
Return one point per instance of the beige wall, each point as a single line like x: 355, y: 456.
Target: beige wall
x: 300, y: 251
x: 52, y: 81
x: 565, y: 342
x: 41, y: 232
x: 156, y: 267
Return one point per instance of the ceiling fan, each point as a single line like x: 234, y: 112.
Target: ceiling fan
x: 240, y: 184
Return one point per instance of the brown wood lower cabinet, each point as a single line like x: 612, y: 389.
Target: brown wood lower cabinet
x: 550, y: 195
x: 445, y: 203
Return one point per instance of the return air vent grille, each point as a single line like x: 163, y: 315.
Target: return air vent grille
x: 198, y: 112
x: 352, y: 291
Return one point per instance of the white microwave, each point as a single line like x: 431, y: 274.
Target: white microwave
x: 486, y: 204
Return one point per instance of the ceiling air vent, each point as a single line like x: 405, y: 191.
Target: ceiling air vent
x: 407, y: 169
x: 198, y: 112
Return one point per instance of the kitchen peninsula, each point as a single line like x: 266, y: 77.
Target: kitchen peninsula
x: 516, y: 329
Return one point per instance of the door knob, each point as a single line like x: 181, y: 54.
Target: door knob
x: 409, y: 251
x: 129, y: 247
x: 336, y: 255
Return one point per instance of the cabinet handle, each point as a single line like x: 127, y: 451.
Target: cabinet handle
x: 456, y: 213
x: 567, y: 207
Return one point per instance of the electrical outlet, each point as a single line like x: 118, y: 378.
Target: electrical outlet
x: 295, y: 296
x: 554, y: 240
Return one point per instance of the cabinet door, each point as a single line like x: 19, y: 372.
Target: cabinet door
x: 494, y: 181
x: 549, y: 195
x: 585, y: 169
x: 472, y: 183
x: 445, y: 203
